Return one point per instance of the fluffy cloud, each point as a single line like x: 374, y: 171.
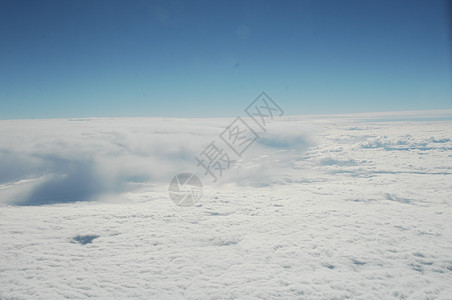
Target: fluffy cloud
x: 318, y: 208
x: 52, y: 161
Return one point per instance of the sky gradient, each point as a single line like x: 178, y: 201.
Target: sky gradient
x: 211, y: 58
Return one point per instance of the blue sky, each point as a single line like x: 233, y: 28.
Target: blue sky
x: 211, y: 58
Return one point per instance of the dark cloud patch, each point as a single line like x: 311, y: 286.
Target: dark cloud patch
x: 72, y: 181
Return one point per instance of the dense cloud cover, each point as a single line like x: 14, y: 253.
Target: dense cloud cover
x: 317, y: 208
x: 51, y: 161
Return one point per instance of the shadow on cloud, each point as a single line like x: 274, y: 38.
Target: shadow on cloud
x: 72, y: 181
x: 59, y: 161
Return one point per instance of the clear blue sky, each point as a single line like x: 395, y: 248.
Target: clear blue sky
x: 88, y: 58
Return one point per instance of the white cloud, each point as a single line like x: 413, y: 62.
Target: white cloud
x: 317, y: 208
x: 76, y: 161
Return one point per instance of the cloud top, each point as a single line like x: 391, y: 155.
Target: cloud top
x: 67, y: 160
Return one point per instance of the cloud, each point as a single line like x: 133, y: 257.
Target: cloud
x: 57, y: 161
x: 307, y: 212
x: 70, y: 181
x: 66, y: 160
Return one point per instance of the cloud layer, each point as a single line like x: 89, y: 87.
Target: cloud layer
x: 54, y: 161
x: 316, y: 209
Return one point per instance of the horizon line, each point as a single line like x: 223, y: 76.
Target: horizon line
x: 439, y: 113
